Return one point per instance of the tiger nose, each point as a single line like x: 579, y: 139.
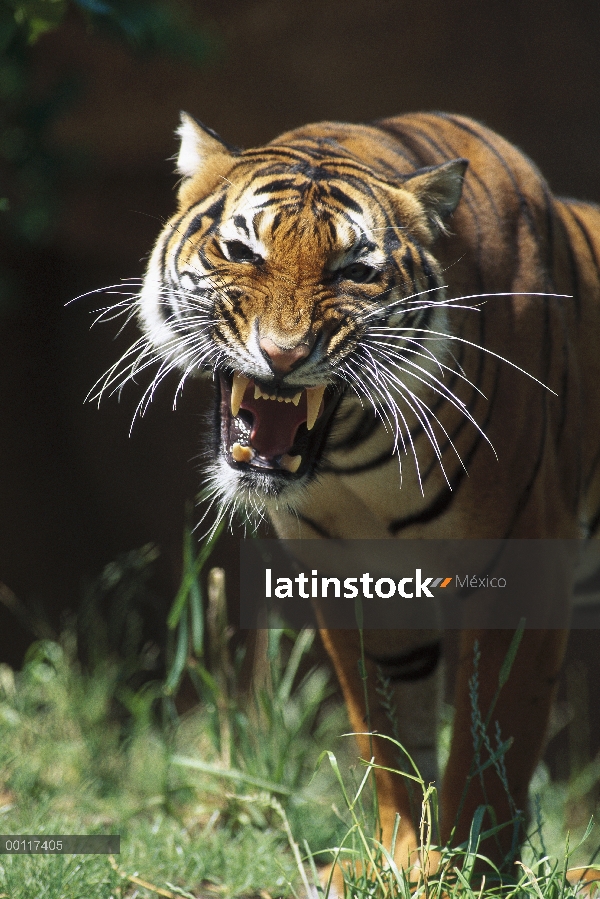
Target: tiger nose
x: 281, y: 360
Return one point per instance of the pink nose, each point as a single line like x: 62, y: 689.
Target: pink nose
x: 282, y: 361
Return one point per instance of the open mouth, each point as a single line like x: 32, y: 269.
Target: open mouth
x: 273, y: 429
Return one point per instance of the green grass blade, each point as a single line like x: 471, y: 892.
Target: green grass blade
x: 510, y: 655
x: 180, y: 658
x: 231, y: 774
x: 197, y: 618
x: 301, y: 646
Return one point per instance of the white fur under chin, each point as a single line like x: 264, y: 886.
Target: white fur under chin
x: 226, y: 491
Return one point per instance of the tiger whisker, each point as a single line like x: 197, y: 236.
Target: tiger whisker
x: 441, y: 304
x: 133, y: 282
x: 140, y: 348
x: 452, y: 264
x: 459, y: 374
x: 430, y: 381
x: 425, y: 410
x: 393, y: 426
x: 403, y: 299
x: 397, y: 411
x: 119, y: 310
x: 422, y: 351
x: 145, y: 356
x: 487, y: 296
x: 437, y: 334
x: 421, y: 411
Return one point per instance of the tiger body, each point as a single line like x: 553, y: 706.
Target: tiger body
x: 448, y: 334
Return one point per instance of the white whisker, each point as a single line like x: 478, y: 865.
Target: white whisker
x: 435, y: 335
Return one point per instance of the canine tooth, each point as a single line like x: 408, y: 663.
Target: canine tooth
x: 296, y: 399
x: 257, y: 392
x: 314, y: 395
x: 291, y: 463
x: 238, y: 389
x: 241, y: 453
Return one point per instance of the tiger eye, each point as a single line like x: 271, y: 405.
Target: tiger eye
x: 239, y: 252
x: 357, y: 272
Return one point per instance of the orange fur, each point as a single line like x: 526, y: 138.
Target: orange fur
x: 272, y: 238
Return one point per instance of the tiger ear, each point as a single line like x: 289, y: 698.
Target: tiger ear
x: 438, y: 189
x: 203, y: 155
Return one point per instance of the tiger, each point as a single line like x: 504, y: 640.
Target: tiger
x: 401, y: 322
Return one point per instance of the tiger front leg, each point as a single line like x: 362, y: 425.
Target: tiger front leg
x: 402, y: 685
x: 521, y: 712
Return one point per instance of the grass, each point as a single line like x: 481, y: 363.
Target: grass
x: 223, y: 800
x: 69, y: 765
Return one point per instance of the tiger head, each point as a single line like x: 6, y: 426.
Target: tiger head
x: 278, y: 264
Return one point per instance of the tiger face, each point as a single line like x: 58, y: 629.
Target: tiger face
x: 276, y: 269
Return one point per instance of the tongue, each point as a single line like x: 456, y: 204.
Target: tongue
x: 274, y: 424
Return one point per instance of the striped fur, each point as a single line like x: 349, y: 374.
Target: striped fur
x: 451, y: 329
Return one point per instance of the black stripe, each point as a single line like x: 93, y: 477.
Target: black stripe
x: 343, y: 198
x: 281, y: 184
x: 213, y: 212
x: 269, y: 150
x: 593, y: 467
x: 277, y: 219
x: 390, y: 130
x: 469, y: 198
x: 216, y: 209
x: 440, y: 505
x: 573, y: 267
x: 432, y: 281
x: 565, y: 379
x: 594, y: 523
x: 452, y: 152
x: 416, y: 159
x: 229, y: 318
x: 463, y: 421
x: 523, y: 204
x: 526, y: 492
x: 550, y: 229
x: 468, y: 201
x: 446, y: 496
x: 409, y: 264
x: 174, y: 226
x: 206, y: 263
x: 415, y: 664
x: 376, y: 462
x: 547, y: 341
x: 237, y: 306
x: 364, y: 429
x: 240, y: 222
x: 313, y: 524
x: 586, y: 236
x: 174, y: 229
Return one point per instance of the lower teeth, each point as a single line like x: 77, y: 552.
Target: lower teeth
x: 291, y: 463
x: 241, y: 453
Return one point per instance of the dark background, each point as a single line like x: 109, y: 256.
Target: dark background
x: 75, y: 489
